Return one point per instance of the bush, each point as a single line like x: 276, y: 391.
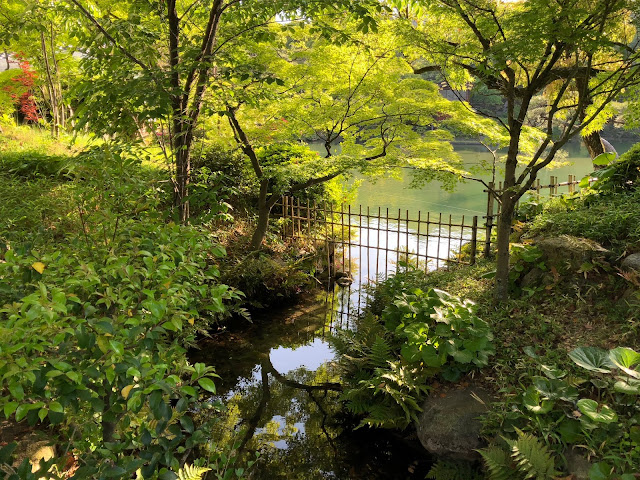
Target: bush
x: 94, y: 327
x: 611, y: 219
x: 623, y: 174
x: 265, y: 281
x: 390, y: 358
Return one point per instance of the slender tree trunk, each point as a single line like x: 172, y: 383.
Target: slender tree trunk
x: 6, y: 59
x: 51, y: 89
x: 264, y: 211
x: 502, y: 262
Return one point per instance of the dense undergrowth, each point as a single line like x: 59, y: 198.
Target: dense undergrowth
x: 565, y: 371
x: 101, y: 293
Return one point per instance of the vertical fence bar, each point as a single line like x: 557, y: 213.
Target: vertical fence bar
x: 489, y: 220
x: 333, y: 239
x: 462, y: 225
x: 386, y: 245
x: 342, y: 235
x: 398, y: 239
x: 439, y: 236
x: 378, y: 240
x: 368, y: 250
x: 552, y: 181
x: 328, y: 242
x: 407, y: 225
x: 537, y: 189
x: 449, y: 240
x: 418, y: 243
x: 349, y: 227
x: 474, y: 239
x: 426, y: 254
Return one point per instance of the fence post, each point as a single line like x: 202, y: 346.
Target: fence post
x: 474, y: 239
x: 552, y: 185
x: 489, y: 222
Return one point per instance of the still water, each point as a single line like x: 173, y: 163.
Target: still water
x: 300, y: 433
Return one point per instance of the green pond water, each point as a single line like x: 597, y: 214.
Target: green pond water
x: 468, y: 198
x: 301, y: 434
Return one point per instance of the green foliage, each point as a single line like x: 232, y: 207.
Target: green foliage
x: 620, y: 175
x: 191, y: 472
x: 567, y: 411
x: 7, y: 87
x: 527, y: 458
x: 265, y: 280
x: 609, y: 219
x: 452, y: 470
x: 390, y: 358
x: 94, y: 327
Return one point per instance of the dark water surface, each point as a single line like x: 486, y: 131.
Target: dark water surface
x: 300, y: 434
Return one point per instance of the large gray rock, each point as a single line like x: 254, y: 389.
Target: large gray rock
x: 632, y: 262
x: 449, y: 425
x: 569, y: 253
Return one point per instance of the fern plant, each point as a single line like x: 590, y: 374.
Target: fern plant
x: 528, y: 458
x: 388, y: 361
x: 192, y: 472
x: 453, y: 470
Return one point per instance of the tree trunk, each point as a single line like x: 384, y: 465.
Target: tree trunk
x: 593, y: 142
x: 264, y: 211
x: 502, y: 262
x: 183, y: 169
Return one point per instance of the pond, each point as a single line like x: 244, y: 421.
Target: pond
x: 300, y: 432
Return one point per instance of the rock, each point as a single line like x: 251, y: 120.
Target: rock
x: 632, y: 262
x: 577, y: 465
x: 532, y: 278
x: 449, y: 425
x: 569, y: 253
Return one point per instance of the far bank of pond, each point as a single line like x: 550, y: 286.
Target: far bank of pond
x: 468, y: 198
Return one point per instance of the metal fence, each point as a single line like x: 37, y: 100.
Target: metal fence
x: 371, y: 243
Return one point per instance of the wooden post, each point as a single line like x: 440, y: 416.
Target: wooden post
x: 489, y: 222
x: 552, y: 183
x: 474, y: 239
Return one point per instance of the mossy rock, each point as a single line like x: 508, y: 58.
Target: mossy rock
x: 567, y: 253
x: 449, y: 425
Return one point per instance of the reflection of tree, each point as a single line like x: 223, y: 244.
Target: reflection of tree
x: 274, y: 407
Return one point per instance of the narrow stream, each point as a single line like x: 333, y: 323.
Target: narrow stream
x: 300, y: 432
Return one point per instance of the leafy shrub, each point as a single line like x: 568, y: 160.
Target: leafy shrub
x: 613, y: 220
x: 599, y: 413
x: 265, y: 281
x: 94, y: 328
x: 390, y: 358
x: 32, y: 164
x: 623, y: 174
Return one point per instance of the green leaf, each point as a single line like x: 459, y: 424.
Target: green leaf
x: 9, y: 408
x: 625, y: 358
x: 22, y: 411
x: 56, y: 407
x: 430, y: 356
x: 118, y: 347
x: 600, y: 471
x: 628, y: 386
x: 17, y: 391
x: 604, y: 159
x: 597, y: 413
x: 592, y: 358
x: 207, y: 384
x: 532, y: 401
